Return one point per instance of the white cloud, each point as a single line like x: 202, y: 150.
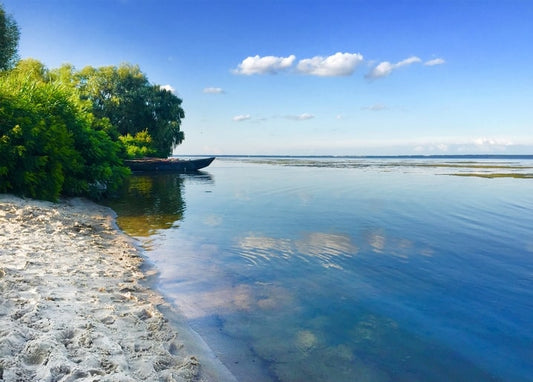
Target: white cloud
x: 300, y: 117
x: 214, y: 91
x: 464, y: 145
x: 339, y: 64
x: 438, y: 148
x: 168, y: 88
x: 385, y: 68
x: 336, y: 65
x: 242, y: 117
x: 407, y: 61
x: 375, y: 107
x: 491, y: 142
x: 264, y: 65
x: 435, y: 61
x: 483, y: 145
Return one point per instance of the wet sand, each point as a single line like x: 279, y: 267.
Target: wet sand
x: 74, y: 306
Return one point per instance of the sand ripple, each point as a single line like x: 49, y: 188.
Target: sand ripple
x: 71, y: 303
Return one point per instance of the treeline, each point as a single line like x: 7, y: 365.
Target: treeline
x: 67, y: 132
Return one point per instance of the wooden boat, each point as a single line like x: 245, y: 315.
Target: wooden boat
x: 168, y: 164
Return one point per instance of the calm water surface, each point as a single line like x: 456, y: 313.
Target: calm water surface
x: 348, y: 269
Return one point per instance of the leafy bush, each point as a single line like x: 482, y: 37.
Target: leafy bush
x: 48, y: 145
x: 138, y: 146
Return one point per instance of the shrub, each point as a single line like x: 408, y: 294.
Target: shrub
x: 138, y: 146
x: 48, y: 145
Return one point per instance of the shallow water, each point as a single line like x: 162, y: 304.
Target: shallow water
x: 348, y: 269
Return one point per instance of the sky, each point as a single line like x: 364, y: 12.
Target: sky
x: 359, y: 77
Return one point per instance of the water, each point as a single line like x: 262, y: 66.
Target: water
x: 348, y: 269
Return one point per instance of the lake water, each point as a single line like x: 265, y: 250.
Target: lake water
x: 348, y: 269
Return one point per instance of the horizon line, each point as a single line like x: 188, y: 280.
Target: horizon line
x: 480, y: 156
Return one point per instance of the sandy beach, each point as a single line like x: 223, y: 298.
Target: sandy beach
x: 73, y: 305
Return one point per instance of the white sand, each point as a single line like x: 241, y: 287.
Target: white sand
x: 72, y: 302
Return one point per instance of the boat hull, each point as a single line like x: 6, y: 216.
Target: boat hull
x: 169, y: 164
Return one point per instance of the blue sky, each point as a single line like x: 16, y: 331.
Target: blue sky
x: 313, y: 77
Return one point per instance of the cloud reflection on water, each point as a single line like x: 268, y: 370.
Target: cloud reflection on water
x: 377, y: 240
x: 213, y: 220
x: 380, y: 242
x: 324, y: 247
x: 227, y: 298
x: 329, y: 249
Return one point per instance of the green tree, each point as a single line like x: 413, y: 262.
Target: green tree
x: 9, y: 38
x: 126, y: 98
x: 68, y: 76
x: 165, y: 120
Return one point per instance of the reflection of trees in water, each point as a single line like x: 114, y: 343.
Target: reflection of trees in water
x: 149, y: 202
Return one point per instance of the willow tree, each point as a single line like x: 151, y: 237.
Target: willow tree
x: 9, y: 38
x: 124, y: 96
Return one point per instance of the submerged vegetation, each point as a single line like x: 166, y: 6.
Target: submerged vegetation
x: 66, y: 131
x: 496, y: 175
x: 471, y: 168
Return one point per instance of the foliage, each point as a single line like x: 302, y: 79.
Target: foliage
x: 48, y: 145
x: 139, y: 145
x: 9, y: 38
x: 126, y: 98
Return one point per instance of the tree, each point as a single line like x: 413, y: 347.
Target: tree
x: 9, y: 38
x: 132, y: 105
x: 166, y: 114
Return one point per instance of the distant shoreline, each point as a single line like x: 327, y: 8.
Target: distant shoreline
x: 466, y: 156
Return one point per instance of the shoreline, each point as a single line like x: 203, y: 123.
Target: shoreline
x: 75, y: 303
